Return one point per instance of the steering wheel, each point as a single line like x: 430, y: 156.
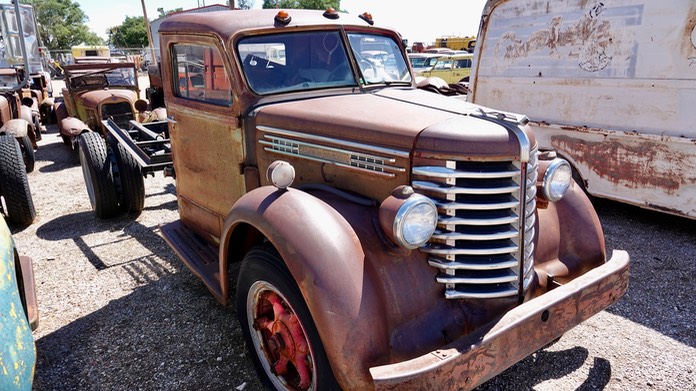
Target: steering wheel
x: 341, y: 72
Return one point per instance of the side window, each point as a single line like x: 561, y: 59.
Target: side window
x: 199, y: 74
x: 466, y: 63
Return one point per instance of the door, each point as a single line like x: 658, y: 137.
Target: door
x: 207, y: 142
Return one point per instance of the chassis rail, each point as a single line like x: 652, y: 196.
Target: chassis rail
x: 148, y: 143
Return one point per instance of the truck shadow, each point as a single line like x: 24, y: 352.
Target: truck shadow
x: 58, y: 155
x: 168, y: 334
x: 83, y: 225
x: 660, y: 267
x: 547, y: 365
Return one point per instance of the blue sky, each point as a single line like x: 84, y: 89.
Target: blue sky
x: 441, y: 17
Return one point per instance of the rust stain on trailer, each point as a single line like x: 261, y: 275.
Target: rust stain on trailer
x: 590, y: 36
x: 688, y: 44
x: 633, y: 165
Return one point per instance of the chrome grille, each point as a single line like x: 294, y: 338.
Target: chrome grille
x: 483, y: 246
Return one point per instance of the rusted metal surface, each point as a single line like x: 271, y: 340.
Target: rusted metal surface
x: 609, y: 84
x: 72, y: 127
x: 373, y: 303
x: 470, y: 361
x: 93, y: 99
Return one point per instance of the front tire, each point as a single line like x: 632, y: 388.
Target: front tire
x: 14, y: 185
x: 96, y: 169
x: 277, y: 326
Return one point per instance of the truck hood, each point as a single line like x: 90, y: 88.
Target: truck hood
x: 92, y: 99
x: 426, y: 123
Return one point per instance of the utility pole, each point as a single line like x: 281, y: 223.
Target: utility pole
x: 149, y: 34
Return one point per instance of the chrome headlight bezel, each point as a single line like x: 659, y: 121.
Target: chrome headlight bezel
x: 557, y: 180
x: 415, y: 221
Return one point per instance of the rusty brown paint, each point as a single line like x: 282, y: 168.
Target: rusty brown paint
x: 631, y: 165
x: 373, y: 303
x: 470, y: 361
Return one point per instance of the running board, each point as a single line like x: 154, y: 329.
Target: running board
x: 200, y: 256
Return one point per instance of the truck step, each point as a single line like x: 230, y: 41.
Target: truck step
x: 200, y: 256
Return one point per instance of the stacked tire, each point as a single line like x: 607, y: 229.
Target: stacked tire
x: 14, y: 184
x: 113, y: 178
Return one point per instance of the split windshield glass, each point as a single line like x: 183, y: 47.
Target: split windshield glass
x: 291, y: 62
x: 116, y: 77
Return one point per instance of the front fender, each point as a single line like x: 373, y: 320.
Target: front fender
x: 570, y: 238
x: 17, y: 127
x: 72, y: 127
x: 326, y: 259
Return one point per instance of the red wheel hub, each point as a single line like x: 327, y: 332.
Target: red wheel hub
x: 284, y: 340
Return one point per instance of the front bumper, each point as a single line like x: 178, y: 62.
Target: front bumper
x: 477, y: 357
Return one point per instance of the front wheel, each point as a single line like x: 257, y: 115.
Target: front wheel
x: 96, y: 168
x: 14, y: 185
x: 278, y: 327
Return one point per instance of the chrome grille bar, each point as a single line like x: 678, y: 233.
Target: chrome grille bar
x: 484, y: 243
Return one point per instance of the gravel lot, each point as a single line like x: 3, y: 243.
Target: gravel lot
x: 119, y: 311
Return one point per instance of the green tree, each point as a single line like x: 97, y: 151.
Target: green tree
x: 163, y: 13
x: 303, y: 4
x: 242, y: 4
x: 61, y: 24
x: 130, y: 34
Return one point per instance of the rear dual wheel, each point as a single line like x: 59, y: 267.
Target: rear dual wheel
x: 128, y: 178
x: 278, y: 327
x: 27, y: 153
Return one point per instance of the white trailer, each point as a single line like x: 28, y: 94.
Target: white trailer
x: 610, y: 85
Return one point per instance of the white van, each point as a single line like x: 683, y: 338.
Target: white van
x: 610, y: 85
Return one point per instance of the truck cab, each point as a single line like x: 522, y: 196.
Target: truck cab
x: 386, y: 237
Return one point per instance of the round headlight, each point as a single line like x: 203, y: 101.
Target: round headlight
x: 415, y: 221
x: 557, y: 180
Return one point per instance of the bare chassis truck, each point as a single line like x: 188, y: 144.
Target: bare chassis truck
x: 425, y: 242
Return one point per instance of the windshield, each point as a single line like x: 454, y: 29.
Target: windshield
x: 309, y: 60
x: 116, y: 77
x: 379, y: 58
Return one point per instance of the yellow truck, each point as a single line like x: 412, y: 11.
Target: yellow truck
x: 90, y: 51
x: 457, y: 43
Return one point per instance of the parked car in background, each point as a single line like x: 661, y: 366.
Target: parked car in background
x: 438, y: 50
x: 422, y: 61
x: 452, y: 69
x: 18, y: 315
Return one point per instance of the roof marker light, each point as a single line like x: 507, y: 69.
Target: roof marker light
x: 283, y: 17
x: 366, y: 16
x: 330, y: 13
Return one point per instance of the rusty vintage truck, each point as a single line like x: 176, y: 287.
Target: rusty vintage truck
x: 377, y: 236
x: 609, y: 85
x: 94, y: 92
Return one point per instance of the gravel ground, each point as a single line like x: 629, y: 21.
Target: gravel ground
x: 119, y: 311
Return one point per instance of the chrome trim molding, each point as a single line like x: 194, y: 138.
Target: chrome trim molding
x: 383, y: 165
